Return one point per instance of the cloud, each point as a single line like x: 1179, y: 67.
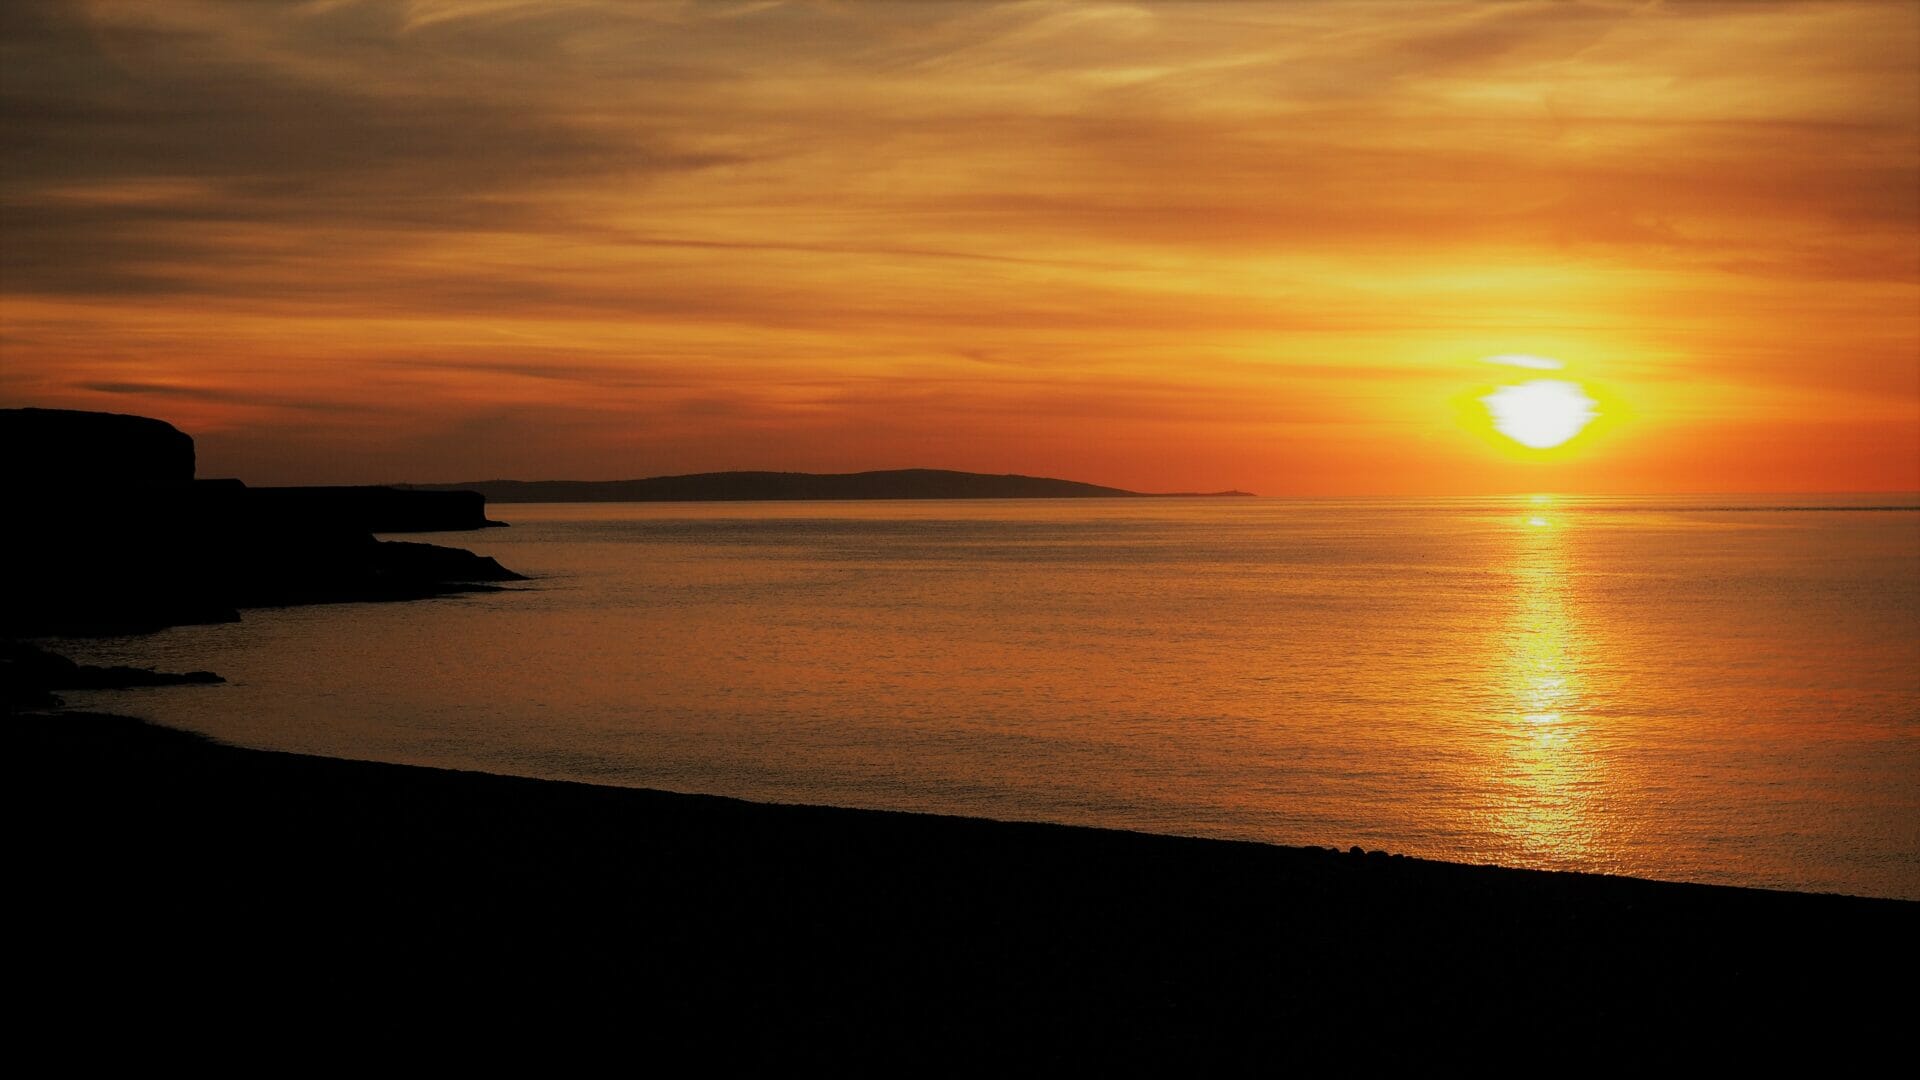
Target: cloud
x: 840, y: 222
x: 218, y: 395
x: 239, y: 120
x: 1533, y: 363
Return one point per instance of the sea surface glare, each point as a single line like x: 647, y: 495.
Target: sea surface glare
x: 1719, y: 690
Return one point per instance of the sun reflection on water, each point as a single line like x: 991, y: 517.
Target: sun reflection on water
x: 1548, y: 771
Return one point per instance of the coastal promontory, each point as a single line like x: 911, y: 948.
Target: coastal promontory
x: 113, y: 533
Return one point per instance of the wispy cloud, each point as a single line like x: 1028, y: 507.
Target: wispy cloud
x: 1533, y: 363
x: 451, y: 210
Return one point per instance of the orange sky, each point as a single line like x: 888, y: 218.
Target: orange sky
x: 1166, y: 247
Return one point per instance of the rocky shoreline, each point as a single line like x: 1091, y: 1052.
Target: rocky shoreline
x: 30, y: 677
x: 116, y: 535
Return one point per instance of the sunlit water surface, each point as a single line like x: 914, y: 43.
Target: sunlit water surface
x: 1706, y: 690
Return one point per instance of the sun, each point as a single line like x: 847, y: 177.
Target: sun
x: 1542, y: 413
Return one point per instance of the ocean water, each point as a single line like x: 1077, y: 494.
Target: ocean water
x: 1718, y: 690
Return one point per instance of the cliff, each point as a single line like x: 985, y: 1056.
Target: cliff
x: 110, y: 533
x: 56, y: 450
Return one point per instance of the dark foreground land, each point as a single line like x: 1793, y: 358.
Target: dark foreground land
x: 215, y: 893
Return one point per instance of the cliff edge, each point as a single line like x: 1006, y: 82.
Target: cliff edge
x: 111, y: 533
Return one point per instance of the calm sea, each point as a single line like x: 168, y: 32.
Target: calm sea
x: 1721, y: 690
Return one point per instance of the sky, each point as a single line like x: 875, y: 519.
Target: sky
x: 1274, y: 247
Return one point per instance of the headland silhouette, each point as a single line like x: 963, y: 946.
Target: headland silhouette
x: 115, y: 534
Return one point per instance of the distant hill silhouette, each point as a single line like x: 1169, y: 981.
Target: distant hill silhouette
x: 750, y: 486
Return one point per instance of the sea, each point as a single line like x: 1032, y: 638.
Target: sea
x: 1708, y: 689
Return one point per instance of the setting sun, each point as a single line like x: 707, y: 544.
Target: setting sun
x: 1007, y: 238
x: 1136, y: 532
x: 1543, y: 413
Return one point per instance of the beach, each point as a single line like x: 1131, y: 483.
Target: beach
x: 330, y: 900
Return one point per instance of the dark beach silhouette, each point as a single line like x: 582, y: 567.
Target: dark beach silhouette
x: 339, y: 898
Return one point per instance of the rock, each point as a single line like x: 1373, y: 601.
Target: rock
x: 433, y: 562
x: 30, y: 674
x: 90, y: 452
x: 115, y: 536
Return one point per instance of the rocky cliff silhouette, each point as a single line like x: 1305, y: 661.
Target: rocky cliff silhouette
x: 111, y: 533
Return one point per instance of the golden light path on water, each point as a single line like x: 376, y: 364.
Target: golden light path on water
x: 1549, y: 766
